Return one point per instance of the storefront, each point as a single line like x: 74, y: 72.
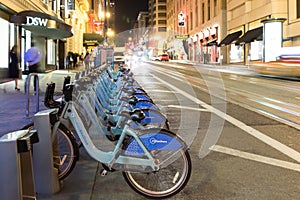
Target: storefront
x: 44, y: 31
x: 254, y: 39
x: 204, y: 48
x: 7, y: 35
x: 247, y: 47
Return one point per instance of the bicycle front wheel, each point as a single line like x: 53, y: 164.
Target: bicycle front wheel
x: 65, y: 150
x: 164, y: 183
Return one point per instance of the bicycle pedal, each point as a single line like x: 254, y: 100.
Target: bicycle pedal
x: 103, y: 172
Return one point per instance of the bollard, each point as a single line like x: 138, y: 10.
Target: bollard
x: 27, y: 88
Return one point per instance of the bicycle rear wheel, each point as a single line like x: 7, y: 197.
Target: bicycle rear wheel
x: 65, y: 150
x: 170, y: 179
x: 164, y: 183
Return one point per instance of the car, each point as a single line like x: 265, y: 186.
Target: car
x: 119, y: 58
x: 155, y: 58
x: 163, y: 57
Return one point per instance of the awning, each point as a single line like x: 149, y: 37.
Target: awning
x: 230, y: 38
x: 211, y: 43
x: 42, y: 24
x: 250, y: 36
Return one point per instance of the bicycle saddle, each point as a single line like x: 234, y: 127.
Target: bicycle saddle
x: 137, y: 115
x: 49, y: 102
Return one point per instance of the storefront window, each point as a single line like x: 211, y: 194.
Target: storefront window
x: 50, y: 52
x: 236, y: 53
x: 54, y: 5
x: 4, y: 35
x: 26, y: 44
x: 256, y: 50
x: 12, y: 35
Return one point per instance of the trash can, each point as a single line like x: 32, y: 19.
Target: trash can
x: 16, y: 171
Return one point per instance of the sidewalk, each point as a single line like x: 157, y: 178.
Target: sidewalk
x: 13, y: 103
x: 13, y: 118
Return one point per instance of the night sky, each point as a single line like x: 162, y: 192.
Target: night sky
x: 127, y: 12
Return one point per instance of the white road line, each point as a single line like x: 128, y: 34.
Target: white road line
x: 163, y: 91
x: 187, y: 108
x: 257, y: 158
x: 255, y: 133
x: 172, y: 65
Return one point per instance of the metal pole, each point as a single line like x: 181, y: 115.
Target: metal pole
x: 105, y: 23
x: 27, y: 87
x: 37, y: 93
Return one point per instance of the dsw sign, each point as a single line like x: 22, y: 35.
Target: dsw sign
x: 36, y: 21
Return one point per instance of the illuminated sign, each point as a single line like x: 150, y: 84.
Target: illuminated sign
x: 181, y: 36
x: 36, y: 21
x: 273, y: 40
x: 181, y: 19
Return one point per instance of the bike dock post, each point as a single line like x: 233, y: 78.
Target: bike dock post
x: 27, y: 88
x: 16, y: 170
x: 45, y: 155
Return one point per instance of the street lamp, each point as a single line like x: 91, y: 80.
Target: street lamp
x: 110, y: 33
x: 102, y: 15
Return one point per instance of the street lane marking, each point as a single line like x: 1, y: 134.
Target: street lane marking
x: 257, y: 158
x: 187, y: 108
x: 163, y: 91
x: 170, y: 65
x: 275, y: 107
x: 255, y: 133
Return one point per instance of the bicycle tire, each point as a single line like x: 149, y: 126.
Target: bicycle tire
x: 68, y: 150
x: 165, y: 182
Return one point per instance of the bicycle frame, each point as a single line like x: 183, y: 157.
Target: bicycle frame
x: 109, y: 158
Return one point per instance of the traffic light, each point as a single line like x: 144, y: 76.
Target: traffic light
x: 181, y: 19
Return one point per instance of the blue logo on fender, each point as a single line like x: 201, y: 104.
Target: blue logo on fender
x: 155, y: 141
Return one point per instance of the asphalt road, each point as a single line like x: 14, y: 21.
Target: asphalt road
x: 239, y: 150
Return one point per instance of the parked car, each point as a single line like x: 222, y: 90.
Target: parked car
x: 154, y: 58
x: 163, y: 57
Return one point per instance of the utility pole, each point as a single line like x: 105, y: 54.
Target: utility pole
x: 105, y: 23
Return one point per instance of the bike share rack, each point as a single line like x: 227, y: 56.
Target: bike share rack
x: 46, y: 175
x: 27, y: 88
x: 16, y: 170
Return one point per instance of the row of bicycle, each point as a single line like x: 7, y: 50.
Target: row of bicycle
x: 116, y: 121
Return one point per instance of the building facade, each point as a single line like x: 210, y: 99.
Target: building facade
x: 204, y: 22
x: 78, y: 19
x: 233, y: 31
x: 252, y: 19
x: 157, y: 32
x: 54, y: 27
